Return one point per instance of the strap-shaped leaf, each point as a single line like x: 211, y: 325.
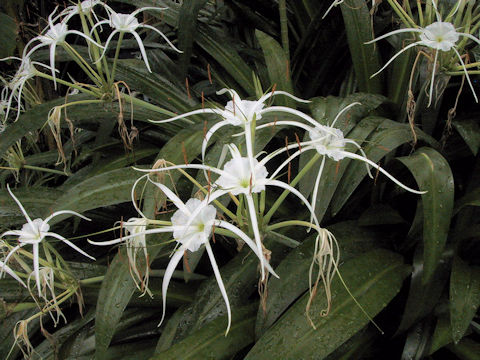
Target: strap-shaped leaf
x: 374, y: 278
x: 278, y: 66
x: 210, y: 341
x: 365, y: 59
x: 464, y: 296
x: 432, y: 173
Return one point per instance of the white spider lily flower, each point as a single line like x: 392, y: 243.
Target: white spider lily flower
x: 14, y: 88
x: 243, y: 175
x: 85, y: 7
x: 128, y: 24
x: 191, y: 227
x: 46, y: 292
x: 238, y: 112
x: 439, y: 36
x: 327, y: 141
x: 55, y: 35
x: 33, y: 233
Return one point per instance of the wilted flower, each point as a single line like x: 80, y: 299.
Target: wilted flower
x: 33, y: 233
x: 14, y: 88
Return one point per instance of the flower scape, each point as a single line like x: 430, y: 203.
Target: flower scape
x: 167, y: 195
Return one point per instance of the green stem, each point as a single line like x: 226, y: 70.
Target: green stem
x: 67, y: 83
x: 92, y: 280
x: 471, y: 72
x: 294, y: 182
x: 291, y: 223
x: 53, y: 171
x: 407, y: 20
x: 148, y: 106
x: 282, y: 8
x: 115, y: 59
x: 83, y: 64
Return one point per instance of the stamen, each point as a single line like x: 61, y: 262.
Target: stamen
x: 209, y: 73
x: 184, y: 152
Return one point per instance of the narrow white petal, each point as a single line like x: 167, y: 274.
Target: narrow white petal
x: 69, y: 243
x: 127, y: 237
x: 256, y: 232
x: 163, y: 36
x: 251, y: 244
x: 5, y: 268
x: 394, y: 32
x: 56, y: 213
x: 395, y: 56
x: 315, y: 188
x: 216, y: 271
x: 466, y: 74
x: 22, y: 209
x: 290, y: 111
x: 361, y: 158
x: 36, y: 268
x: 177, y: 256
x: 432, y: 81
x: 194, y: 112
x: 142, y: 49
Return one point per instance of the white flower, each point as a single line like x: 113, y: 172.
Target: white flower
x: 128, y: 23
x: 13, y: 90
x: 238, y: 177
x: 191, y: 227
x: 33, y: 233
x: 243, y: 175
x: 439, y: 36
x: 327, y: 141
x: 85, y: 7
x: 55, y: 35
x: 240, y: 113
x: 200, y: 227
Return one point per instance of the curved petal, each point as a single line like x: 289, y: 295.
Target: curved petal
x: 68, y: 242
x: 290, y: 111
x: 471, y: 37
x: 384, y: 172
x: 126, y: 237
x: 256, y: 231
x: 194, y: 112
x: 142, y: 49
x: 5, y: 268
x: 248, y: 241
x: 177, y: 256
x: 36, y: 268
x: 189, y: 166
x: 280, y: 92
x: 22, y: 209
x: 172, y: 196
x: 340, y: 113
x: 136, y: 12
x: 106, y: 43
x: 433, y: 79
x: 163, y: 36
x: 56, y: 213
x: 394, y: 32
x: 466, y: 73
x: 395, y: 56
x: 216, y: 271
x: 315, y: 187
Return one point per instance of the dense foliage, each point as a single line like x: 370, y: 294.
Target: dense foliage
x: 239, y: 179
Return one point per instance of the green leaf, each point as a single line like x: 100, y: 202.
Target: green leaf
x: 277, y: 66
x: 109, y: 188
x: 210, y: 342
x: 433, y: 174
x: 9, y: 30
x: 374, y: 278
x: 464, y: 296
x: 366, y: 60
x: 227, y: 56
x: 467, y: 349
x: 293, y: 270
x: 187, y: 29
x: 469, y: 130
